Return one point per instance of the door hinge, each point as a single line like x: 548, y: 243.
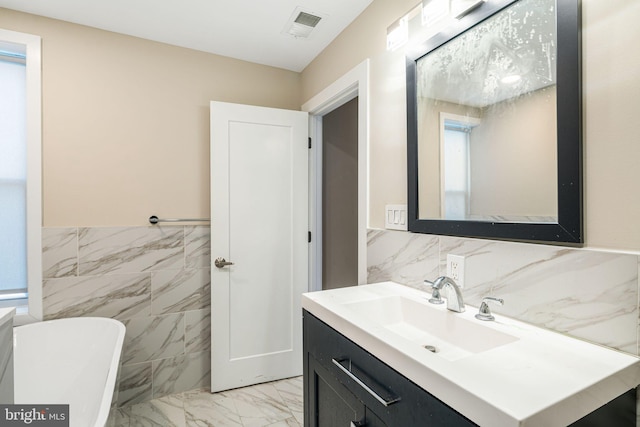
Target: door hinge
x: 309, y: 142
x: 309, y: 237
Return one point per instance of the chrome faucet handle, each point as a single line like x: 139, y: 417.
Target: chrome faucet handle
x: 484, y: 312
x: 436, y: 298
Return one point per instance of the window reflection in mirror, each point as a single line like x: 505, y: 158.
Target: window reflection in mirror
x: 487, y: 131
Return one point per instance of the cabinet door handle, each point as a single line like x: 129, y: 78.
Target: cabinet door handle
x: 389, y: 399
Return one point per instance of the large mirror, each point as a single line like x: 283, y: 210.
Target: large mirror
x: 494, y: 129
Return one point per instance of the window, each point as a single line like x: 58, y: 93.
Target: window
x: 20, y: 175
x: 456, y: 171
x: 455, y: 162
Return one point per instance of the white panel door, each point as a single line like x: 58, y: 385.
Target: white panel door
x: 259, y: 222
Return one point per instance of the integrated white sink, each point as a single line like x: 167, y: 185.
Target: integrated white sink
x: 496, y: 373
x: 449, y: 337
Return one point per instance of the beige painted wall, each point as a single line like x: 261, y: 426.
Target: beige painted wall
x: 366, y: 38
x: 126, y: 121
x: 512, y: 152
x: 514, y: 158
x: 611, y: 64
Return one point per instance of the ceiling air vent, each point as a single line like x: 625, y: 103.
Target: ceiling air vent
x: 307, y: 19
x: 301, y: 24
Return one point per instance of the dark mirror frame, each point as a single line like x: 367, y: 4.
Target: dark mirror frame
x: 569, y: 228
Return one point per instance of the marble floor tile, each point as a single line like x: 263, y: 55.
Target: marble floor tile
x: 275, y: 404
x: 259, y: 405
x: 166, y: 411
x: 289, y: 422
x: 203, y: 409
x: 290, y: 391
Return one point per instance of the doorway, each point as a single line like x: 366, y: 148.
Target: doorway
x: 353, y: 84
x: 340, y: 197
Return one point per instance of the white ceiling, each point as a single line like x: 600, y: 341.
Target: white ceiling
x: 251, y: 30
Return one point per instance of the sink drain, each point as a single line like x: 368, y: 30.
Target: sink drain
x: 431, y: 348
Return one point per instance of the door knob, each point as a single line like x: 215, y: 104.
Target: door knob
x: 221, y: 262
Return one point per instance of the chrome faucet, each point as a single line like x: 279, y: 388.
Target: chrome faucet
x: 485, y: 312
x: 454, y: 296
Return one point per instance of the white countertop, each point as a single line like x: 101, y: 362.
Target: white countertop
x: 542, y: 378
x: 6, y: 314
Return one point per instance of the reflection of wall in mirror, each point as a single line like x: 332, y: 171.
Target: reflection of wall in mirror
x: 513, y: 156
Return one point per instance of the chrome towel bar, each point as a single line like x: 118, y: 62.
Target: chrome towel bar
x: 154, y: 219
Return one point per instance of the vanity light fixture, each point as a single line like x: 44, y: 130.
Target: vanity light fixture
x: 434, y: 11
x: 398, y: 33
x: 460, y: 8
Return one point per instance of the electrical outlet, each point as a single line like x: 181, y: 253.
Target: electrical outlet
x: 455, y: 269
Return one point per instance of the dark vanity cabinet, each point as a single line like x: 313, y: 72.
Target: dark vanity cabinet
x: 333, y: 404
x: 345, y: 386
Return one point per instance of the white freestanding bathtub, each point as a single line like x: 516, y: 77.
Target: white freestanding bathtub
x: 70, y: 361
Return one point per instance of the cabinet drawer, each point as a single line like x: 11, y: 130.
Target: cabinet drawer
x: 393, y: 398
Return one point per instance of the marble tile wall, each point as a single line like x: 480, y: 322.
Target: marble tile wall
x: 589, y: 294
x: 6, y: 359
x: 156, y: 280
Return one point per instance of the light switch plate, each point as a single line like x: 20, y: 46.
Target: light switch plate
x: 395, y: 217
